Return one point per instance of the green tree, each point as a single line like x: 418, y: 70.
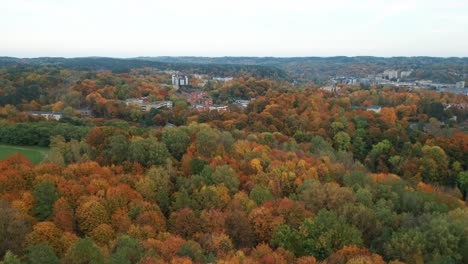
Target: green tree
x: 406, y: 245
x: 137, y: 151
x: 463, y: 182
x: 225, y: 175
x: 289, y: 239
x: 359, y: 144
x: 10, y: 258
x: 157, y: 152
x: 378, y: 157
x: 434, y: 165
x: 128, y: 250
x: 45, y: 195
x: 117, y: 149
x: 207, y: 141
x: 197, y: 165
x: 261, y: 194
x: 327, y: 233
x: 83, y: 251
x: 176, y: 140
x: 148, y: 152
x: 342, y: 140
x: 41, y: 253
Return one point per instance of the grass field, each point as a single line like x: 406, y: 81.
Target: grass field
x: 34, y: 154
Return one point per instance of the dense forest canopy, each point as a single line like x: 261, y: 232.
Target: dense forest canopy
x: 298, y: 175
x: 126, y: 65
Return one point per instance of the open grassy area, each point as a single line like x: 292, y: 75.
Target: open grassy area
x: 34, y: 154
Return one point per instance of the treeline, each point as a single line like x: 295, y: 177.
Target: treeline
x: 39, y: 134
x: 126, y: 65
x: 445, y: 70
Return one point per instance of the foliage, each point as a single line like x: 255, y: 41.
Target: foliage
x: 300, y: 175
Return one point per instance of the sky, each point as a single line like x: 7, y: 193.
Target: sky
x: 130, y: 28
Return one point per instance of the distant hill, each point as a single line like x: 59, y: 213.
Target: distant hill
x: 125, y: 65
x: 321, y: 68
x: 317, y: 69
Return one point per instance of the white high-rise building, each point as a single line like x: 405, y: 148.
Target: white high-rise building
x: 390, y: 74
x: 460, y: 85
x: 178, y: 80
x: 405, y: 74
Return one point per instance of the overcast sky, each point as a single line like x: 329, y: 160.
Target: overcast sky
x: 128, y: 28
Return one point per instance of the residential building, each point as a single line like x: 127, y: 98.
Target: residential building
x: 180, y: 80
x: 201, y: 107
x: 223, y: 79
x: 156, y: 105
x: 374, y: 108
x: 85, y: 112
x: 218, y: 107
x: 390, y: 74
x: 405, y: 74
x: 206, y: 101
x: 346, y: 80
x: 242, y: 103
x: 134, y: 101
x: 333, y: 88
x: 48, y: 115
x: 460, y: 85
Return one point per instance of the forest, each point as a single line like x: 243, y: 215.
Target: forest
x: 300, y: 175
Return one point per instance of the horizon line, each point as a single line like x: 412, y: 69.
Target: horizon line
x: 238, y: 56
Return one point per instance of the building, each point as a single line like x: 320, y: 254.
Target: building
x: 180, y: 80
x: 156, y: 105
x: 374, y: 108
x: 194, y: 96
x: 242, y: 103
x: 223, y: 79
x: 345, y: 80
x: 460, y: 85
x: 206, y: 101
x: 134, y: 101
x: 218, y: 107
x: 333, y: 88
x: 390, y: 74
x: 405, y: 74
x: 85, y: 112
x: 48, y: 115
x: 201, y: 107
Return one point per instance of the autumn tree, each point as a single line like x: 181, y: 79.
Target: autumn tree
x: 47, y: 233
x: 240, y: 230
x: 13, y: 229
x: 90, y: 215
x: 184, y: 222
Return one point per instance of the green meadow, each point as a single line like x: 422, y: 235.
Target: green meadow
x: 34, y: 154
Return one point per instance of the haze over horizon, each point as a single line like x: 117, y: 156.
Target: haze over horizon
x: 209, y: 28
